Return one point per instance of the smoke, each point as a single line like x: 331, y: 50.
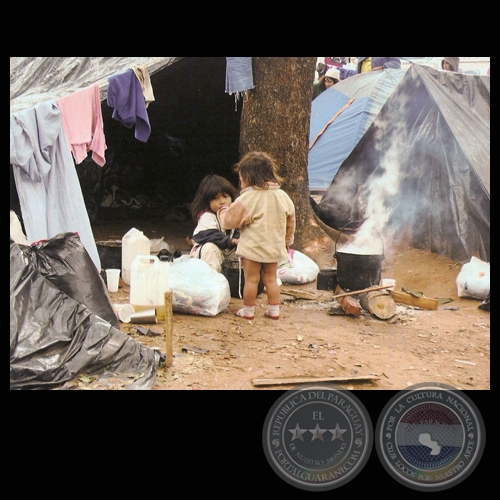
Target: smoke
x: 376, y: 209
x: 379, y: 191
x: 410, y: 180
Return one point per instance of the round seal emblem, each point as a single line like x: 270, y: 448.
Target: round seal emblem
x: 317, y: 438
x: 430, y: 437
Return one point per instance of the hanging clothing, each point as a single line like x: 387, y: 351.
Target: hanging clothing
x: 82, y: 120
x: 49, y: 191
x: 142, y: 74
x: 239, y: 76
x: 125, y: 96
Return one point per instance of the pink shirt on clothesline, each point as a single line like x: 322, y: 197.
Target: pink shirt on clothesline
x: 82, y: 120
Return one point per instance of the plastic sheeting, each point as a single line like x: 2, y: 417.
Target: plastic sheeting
x: 337, y: 124
x: 37, y: 79
x: 424, y: 166
x: 57, y: 342
x: 65, y: 262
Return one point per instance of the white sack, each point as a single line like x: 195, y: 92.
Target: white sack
x: 473, y: 280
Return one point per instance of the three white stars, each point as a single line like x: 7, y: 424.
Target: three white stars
x: 317, y: 432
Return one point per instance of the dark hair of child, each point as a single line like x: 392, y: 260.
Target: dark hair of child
x: 257, y: 169
x: 209, y: 188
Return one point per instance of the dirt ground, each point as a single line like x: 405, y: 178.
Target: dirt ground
x: 450, y: 345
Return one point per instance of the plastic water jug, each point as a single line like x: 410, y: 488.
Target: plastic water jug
x: 148, y: 284
x: 134, y: 243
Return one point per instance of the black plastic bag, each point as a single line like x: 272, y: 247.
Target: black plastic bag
x: 235, y: 276
x: 58, y: 343
x: 64, y: 261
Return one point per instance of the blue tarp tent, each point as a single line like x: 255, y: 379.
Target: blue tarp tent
x: 339, y: 118
x: 421, y: 171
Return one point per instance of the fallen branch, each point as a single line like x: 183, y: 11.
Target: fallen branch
x: 304, y: 380
x: 358, y: 292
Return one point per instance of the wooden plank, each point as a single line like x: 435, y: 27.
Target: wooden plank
x: 168, y: 328
x: 423, y: 302
x: 304, y: 380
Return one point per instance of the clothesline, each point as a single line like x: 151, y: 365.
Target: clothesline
x: 49, y: 138
x: 37, y: 79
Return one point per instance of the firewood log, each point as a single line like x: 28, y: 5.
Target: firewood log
x: 379, y: 303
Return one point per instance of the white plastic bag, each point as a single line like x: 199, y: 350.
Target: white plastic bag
x: 197, y: 288
x: 158, y: 244
x: 473, y: 280
x: 299, y: 269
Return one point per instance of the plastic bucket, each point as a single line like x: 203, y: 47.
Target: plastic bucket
x: 110, y: 254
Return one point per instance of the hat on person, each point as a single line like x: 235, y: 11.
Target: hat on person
x: 452, y: 61
x: 333, y: 73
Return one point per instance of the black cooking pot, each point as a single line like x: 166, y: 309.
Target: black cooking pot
x: 357, y: 271
x: 110, y: 254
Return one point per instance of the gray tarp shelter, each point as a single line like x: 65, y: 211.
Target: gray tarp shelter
x: 37, y: 79
x: 424, y: 165
x: 63, y: 333
x: 194, y: 131
x: 194, y: 127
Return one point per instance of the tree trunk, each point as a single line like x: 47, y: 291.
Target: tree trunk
x: 275, y: 118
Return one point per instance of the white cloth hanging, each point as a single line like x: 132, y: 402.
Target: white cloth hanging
x: 47, y: 183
